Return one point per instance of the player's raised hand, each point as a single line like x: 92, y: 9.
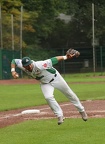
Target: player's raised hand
x: 72, y: 53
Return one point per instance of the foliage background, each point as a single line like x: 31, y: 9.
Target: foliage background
x: 50, y: 27
x: 44, y: 28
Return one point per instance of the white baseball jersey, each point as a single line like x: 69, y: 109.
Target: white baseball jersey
x: 42, y: 70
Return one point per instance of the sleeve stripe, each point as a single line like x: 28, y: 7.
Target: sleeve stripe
x: 13, y: 61
x: 54, y: 60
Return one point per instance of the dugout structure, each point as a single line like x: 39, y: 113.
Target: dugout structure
x: 6, y: 57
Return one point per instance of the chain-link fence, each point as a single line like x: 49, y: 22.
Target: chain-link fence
x: 10, y: 38
x: 10, y: 32
x: 6, y: 57
x: 82, y: 64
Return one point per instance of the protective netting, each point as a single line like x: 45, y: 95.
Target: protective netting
x: 6, y: 57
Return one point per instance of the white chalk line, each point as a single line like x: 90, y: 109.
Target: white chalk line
x: 20, y: 114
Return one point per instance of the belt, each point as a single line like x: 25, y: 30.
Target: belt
x: 52, y: 78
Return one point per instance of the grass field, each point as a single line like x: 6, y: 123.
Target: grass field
x: 73, y: 131
x: 18, y: 96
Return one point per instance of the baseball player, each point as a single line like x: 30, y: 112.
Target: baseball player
x: 50, y: 79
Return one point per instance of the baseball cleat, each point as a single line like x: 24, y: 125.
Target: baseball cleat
x: 60, y: 120
x: 84, y: 115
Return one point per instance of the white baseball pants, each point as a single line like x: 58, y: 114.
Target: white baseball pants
x: 60, y: 84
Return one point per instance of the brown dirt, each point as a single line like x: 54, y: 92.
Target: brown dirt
x: 95, y: 109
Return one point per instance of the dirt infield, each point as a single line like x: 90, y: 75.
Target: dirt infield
x: 94, y: 109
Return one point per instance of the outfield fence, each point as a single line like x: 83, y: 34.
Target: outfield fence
x: 82, y: 64
x: 6, y: 57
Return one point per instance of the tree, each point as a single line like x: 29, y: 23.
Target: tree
x: 13, y: 8
x: 82, y: 21
x: 42, y: 28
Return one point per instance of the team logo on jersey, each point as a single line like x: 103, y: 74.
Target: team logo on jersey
x: 44, y: 65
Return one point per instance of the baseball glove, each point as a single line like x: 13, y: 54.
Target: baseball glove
x: 72, y: 53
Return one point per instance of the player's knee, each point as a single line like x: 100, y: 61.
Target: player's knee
x: 49, y: 98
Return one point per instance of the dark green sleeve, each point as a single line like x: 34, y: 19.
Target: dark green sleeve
x: 13, y: 61
x: 54, y: 60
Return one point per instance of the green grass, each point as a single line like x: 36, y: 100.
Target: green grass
x: 19, y: 96
x: 91, y: 74
x: 83, y: 77
x: 89, y: 91
x: 73, y: 131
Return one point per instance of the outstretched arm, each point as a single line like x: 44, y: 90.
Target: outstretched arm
x: 56, y: 59
x: 60, y: 58
x: 69, y: 54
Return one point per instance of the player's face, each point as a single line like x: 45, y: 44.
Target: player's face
x: 29, y: 67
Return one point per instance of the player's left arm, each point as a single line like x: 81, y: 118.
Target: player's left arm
x: 69, y: 55
x: 56, y: 59
x: 47, y: 64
